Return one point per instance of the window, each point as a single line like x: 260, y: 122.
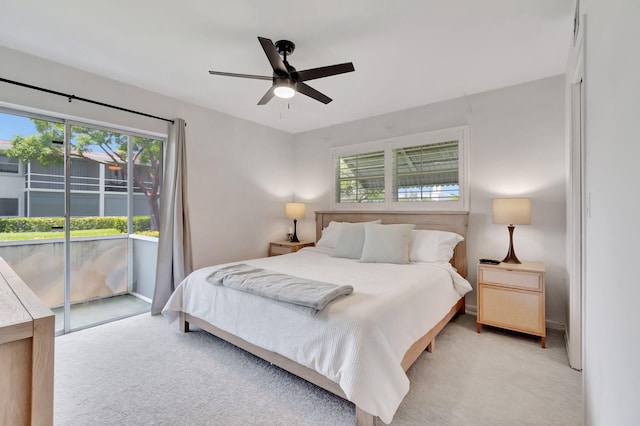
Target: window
x: 8, y: 165
x: 360, y: 178
x: 424, y: 171
x: 101, y: 159
x: 112, y: 173
x: 8, y: 207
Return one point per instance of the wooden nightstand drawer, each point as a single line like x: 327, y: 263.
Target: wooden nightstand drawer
x: 278, y: 248
x: 511, y: 278
x: 516, y: 310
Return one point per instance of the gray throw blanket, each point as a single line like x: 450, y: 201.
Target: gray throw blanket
x: 302, y: 294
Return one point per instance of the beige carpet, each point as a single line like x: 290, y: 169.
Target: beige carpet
x: 140, y: 371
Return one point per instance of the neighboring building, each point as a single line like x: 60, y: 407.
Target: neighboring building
x: 11, y: 184
x: 32, y: 190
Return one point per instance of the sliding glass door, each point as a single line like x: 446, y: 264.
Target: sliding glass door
x: 93, y: 194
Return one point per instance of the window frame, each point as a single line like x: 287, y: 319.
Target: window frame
x: 17, y: 163
x: 461, y: 134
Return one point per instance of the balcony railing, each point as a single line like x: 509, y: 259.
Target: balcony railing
x: 77, y: 183
x: 100, y: 268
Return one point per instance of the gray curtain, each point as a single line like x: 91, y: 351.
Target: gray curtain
x: 174, y: 261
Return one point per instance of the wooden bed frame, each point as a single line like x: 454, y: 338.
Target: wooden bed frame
x: 445, y: 221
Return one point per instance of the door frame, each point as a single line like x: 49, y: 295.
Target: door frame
x: 577, y: 198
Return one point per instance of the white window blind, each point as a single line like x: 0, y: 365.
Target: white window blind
x: 422, y: 171
x: 360, y: 178
x: 426, y: 173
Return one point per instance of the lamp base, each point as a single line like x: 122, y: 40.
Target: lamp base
x: 295, y: 239
x: 511, y: 254
x: 510, y: 258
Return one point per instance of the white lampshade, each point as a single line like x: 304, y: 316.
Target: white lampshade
x: 294, y: 210
x: 512, y: 211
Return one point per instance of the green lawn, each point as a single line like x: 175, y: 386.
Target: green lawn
x: 22, y: 236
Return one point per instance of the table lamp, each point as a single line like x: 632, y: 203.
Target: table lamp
x: 294, y: 211
x: 511, y: 211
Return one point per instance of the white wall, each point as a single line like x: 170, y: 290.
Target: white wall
x: 516, y: 149
x: 239, y: 173
x: 611, y: 286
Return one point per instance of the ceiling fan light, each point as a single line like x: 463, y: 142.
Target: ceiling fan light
x: 284, y: 92
x: 284, y: 89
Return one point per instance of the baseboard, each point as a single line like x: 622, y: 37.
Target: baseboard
x: 553, y: 325
x: 140, y: 296
x: 471, y: 309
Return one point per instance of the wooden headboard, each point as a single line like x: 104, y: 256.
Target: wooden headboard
x: 443, y: 221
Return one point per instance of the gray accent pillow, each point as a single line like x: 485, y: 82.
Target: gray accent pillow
x: 386, y: 243
x: 351, y: 240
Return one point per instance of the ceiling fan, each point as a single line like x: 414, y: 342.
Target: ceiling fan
x: 286, y: 79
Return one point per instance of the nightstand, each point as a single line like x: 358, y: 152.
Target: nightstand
x: 511, y: 296
x: 285, y: 247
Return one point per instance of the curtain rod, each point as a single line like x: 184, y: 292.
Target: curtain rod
x: 72, y: 97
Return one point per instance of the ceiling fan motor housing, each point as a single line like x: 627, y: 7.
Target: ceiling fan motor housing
x: 285, y: 47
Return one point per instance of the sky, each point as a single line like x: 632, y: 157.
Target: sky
x: 11, y: 125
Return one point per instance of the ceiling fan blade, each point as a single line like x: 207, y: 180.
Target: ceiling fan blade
x: 327, y: 71
x: 232, y: 74
x: 313, y: 93
x: 274, y: 57
x: 267, y: 96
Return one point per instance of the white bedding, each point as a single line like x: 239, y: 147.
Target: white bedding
x: 357, y: 341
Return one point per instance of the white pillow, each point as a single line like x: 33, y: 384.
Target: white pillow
x: 386, y: 243
x: 351, y: 240
x: 429, y: 245
x: 330, y: 235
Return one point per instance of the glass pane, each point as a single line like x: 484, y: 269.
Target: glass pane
x: 99, y: 208
x: 9, y: 207
x: 426, y: 173
x: 360, y: 178
x: 32, y: 241
x: 8, y: 164
x: 147, y: 179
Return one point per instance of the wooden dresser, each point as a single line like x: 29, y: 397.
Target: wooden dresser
x: 27, y: 333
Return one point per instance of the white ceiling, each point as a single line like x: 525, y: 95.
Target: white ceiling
x: 406, y: 52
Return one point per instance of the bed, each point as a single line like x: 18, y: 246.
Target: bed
x: 360, y: 345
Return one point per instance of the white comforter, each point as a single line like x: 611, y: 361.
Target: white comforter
x: 357, y: 341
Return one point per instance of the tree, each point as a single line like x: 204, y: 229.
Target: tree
x: 111, y: 147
